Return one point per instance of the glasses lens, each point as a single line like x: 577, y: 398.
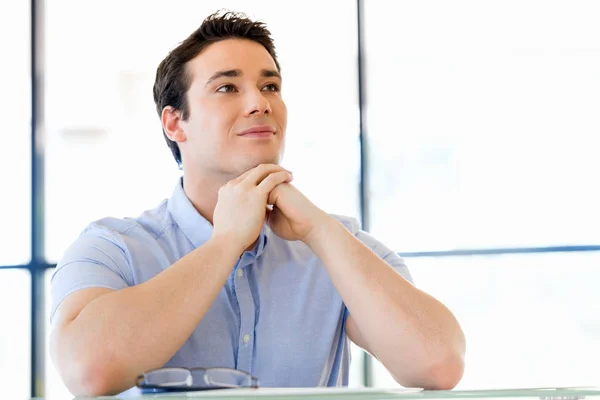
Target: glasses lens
x: 226, y: 378
x: 168, y: 377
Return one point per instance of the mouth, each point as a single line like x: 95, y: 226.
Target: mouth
x: 258, y: 132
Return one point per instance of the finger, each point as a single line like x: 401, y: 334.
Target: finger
x: 273, y: 195
x: 278, y: 192
x: 271, y: 181
x: 242, y: 176
x: 258, y: 174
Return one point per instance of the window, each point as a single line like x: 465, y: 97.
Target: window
x: 15, y: 346
x: 531, y: 320
x: 15, y: 153
x: 482, y: 124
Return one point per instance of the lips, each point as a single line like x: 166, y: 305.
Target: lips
x: 259, y: 131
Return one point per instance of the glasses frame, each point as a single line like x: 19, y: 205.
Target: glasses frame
x: 188, y: 385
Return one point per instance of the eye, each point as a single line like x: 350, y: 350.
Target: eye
x: 272, y: 87
x: 227, y: 89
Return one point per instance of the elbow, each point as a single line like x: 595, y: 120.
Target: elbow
x: 86, y: 369
x: 445, y: 375
x: 87, y: 382
x: 91, y: 379
x: 446, y: 371
x: 441, y: 374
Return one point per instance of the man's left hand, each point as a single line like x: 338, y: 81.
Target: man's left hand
x: 293, y: 216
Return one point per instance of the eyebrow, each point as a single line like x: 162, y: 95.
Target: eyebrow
x: 235, y: 73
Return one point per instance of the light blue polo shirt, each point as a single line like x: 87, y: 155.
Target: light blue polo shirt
x: 278, y: 316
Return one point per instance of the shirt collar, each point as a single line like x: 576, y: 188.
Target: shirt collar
x: 195, y: 227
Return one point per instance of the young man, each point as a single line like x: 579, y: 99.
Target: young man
x: 238, y: 268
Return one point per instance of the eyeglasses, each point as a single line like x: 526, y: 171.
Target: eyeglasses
x: 196, y: 379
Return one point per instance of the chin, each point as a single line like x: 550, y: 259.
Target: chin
x: 255, y: 162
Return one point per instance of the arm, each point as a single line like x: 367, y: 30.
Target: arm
x: 415, y: 336
x: 103, y: 339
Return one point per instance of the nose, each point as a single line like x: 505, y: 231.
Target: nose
x: 257, y: 103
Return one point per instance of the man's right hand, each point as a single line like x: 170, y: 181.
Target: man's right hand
x: 241, y: 206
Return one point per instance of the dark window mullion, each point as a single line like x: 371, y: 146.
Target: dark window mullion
x: 14, y: 266
x: 38, y: 264
x: 363, y: 185
x: 500, y: 251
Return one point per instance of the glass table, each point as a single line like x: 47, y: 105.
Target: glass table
x: 587, y: 393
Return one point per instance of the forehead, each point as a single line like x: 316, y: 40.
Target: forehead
x: 246, y: 55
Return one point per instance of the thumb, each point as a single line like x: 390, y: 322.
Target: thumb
x: 273, y: 196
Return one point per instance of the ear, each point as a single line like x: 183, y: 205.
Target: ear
x: 171, y: 122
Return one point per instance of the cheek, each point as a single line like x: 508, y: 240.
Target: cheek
x: 215, y: 124
x: 223, y: 118
x: 281, y: 114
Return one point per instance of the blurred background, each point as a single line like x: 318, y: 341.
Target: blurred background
x: 463, y: 134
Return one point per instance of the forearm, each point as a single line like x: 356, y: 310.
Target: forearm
x: 124, y: 333
x: 413, y: 334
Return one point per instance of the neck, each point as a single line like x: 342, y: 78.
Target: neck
x: 202, y: 190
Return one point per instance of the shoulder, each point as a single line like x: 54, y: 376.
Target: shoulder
x: 150, y: 223
x: 112, y: 235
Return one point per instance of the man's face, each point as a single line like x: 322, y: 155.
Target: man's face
x: 237, y: 117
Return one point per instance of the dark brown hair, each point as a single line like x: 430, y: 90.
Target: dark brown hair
x: 172, y: 82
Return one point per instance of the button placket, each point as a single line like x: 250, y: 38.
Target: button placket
x: 247, y: 316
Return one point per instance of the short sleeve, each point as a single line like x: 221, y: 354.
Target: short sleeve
x: 389, y: 256
x: 97, y: 259
x: 385, y: 253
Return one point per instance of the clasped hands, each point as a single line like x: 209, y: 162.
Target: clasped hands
x: 242, y: 208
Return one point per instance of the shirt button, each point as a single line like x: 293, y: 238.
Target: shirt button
x: 246, y: 338
x: 240, y: 273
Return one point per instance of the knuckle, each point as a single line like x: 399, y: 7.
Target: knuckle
x: 239, y: 190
